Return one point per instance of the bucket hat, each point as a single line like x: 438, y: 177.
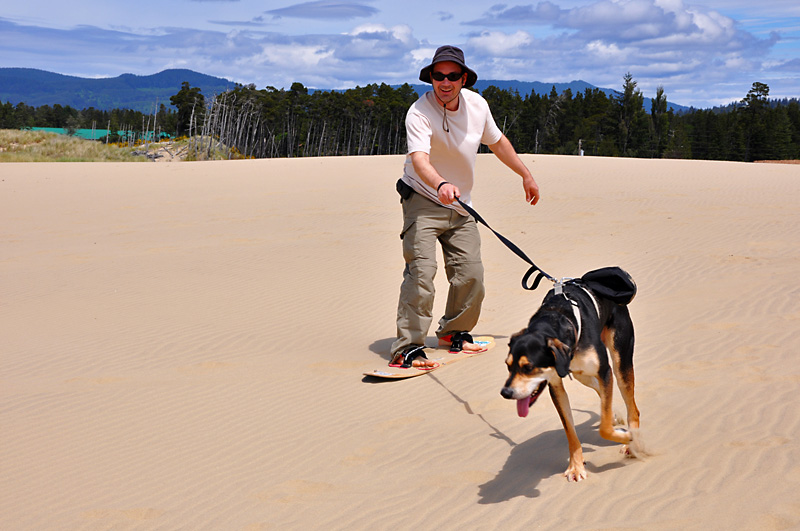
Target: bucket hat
x: 449, y: 53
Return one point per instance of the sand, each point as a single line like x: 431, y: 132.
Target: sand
x: 182, y: 348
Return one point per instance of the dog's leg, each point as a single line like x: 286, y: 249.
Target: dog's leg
x: 597, y: 375
x: 607, y: 429
x: 620, y: 341
x: 576, y: 471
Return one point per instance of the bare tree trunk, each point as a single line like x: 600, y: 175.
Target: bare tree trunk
x: 321, y: 139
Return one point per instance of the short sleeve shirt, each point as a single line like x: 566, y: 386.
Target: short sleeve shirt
x: 452, y: 153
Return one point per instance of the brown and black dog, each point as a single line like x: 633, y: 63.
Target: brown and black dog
x: 575, y: 331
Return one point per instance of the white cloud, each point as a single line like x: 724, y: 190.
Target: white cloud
x: 325, y: 10
x: 605, y: 51
x: 700, y: 50
x: 501, y: 44
x: 290, y: 56
x: 401, y: 33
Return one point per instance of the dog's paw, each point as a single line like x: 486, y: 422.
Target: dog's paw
x: 575, y: 472
x: 635, y: 448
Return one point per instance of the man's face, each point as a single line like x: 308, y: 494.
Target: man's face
x: 447, y: 90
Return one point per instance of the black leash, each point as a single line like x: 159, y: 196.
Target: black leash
x: 516, y: 250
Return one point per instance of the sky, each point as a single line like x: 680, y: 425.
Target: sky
x: 702, y: 52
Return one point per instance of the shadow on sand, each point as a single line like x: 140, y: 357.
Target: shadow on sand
x: 540, y: 457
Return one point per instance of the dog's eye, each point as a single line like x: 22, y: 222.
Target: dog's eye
x: 528, y: 367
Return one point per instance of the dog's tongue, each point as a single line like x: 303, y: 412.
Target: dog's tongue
x: 523, y: 406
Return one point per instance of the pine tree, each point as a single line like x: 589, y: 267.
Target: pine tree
x: 191, y: 108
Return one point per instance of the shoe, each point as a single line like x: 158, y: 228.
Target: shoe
x: 457, y: 340
x: 409, y: 359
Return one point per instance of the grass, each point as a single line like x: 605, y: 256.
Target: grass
x: 40, y: 146
x: 209, y: 148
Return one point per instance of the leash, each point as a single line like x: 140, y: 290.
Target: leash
x: 516, y: 250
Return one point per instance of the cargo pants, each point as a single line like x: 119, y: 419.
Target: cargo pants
x: 425, y: 223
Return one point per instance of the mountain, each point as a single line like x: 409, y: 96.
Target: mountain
x: 38, y: 87
x: 141, y: 93
x: 526, y: 87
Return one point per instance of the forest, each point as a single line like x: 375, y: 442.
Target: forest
x: 369, y: 120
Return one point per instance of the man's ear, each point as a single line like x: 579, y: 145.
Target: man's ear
x: 562, y: 354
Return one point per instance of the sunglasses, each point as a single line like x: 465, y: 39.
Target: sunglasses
x: 452, y: 76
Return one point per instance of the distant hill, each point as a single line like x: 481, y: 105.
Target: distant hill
x: 526, y: 87
x: 38, y: 87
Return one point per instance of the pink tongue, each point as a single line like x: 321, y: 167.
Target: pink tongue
x: 523, y: 406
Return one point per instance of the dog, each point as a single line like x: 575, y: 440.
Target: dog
x: 579, y: 326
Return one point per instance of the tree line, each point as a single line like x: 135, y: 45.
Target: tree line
x: 22, y: 116
x: 597, y: 124
x: 370, y: 120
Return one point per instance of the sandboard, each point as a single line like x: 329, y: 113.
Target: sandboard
x: 439, y: 355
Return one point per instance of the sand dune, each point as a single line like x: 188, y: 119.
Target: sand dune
x: 183, y: 347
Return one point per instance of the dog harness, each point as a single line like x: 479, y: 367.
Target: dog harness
x: 559, y: 290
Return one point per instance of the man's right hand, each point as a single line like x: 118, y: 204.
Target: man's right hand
x: 448, y: 193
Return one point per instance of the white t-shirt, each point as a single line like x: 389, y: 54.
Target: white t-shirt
x: 453, y: 154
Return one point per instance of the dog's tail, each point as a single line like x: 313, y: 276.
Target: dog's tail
x: 612, y: 283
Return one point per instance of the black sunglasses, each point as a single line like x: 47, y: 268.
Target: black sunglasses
x: 452, y: 76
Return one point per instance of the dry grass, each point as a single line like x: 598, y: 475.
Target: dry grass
x: 209, y: 148
x: 40, y: 146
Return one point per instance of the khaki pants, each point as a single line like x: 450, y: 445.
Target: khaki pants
x: 425, y: 222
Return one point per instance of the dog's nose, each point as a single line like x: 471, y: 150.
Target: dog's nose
x: 507, y: 392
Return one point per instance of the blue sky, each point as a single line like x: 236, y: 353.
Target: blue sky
x: 703, y: 52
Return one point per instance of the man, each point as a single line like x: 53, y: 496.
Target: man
x: 445, y: 128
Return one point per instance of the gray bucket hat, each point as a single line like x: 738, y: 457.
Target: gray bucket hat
x: 448, y: 53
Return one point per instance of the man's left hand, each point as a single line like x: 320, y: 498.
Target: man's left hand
x: 531, y: 190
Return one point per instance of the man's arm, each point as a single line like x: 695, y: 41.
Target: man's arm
x: 508, y: 156
x: 422, y: 165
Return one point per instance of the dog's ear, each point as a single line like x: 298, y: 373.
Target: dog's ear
x: 561, y: 352
x: 514, y: 338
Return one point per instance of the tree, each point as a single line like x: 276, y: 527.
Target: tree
x: 553, y: 115
x: 632, y: 117
x: 754, y: 121
x: 660, y: 118
x: 191, y: 108
x: 8, y: 117
x: 72, y: 125
x: 779, y: 135
x: 793, y: 113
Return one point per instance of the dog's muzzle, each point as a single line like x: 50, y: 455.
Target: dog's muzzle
x: 524, y: 404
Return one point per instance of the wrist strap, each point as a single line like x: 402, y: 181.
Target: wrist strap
x: 441, y: 184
